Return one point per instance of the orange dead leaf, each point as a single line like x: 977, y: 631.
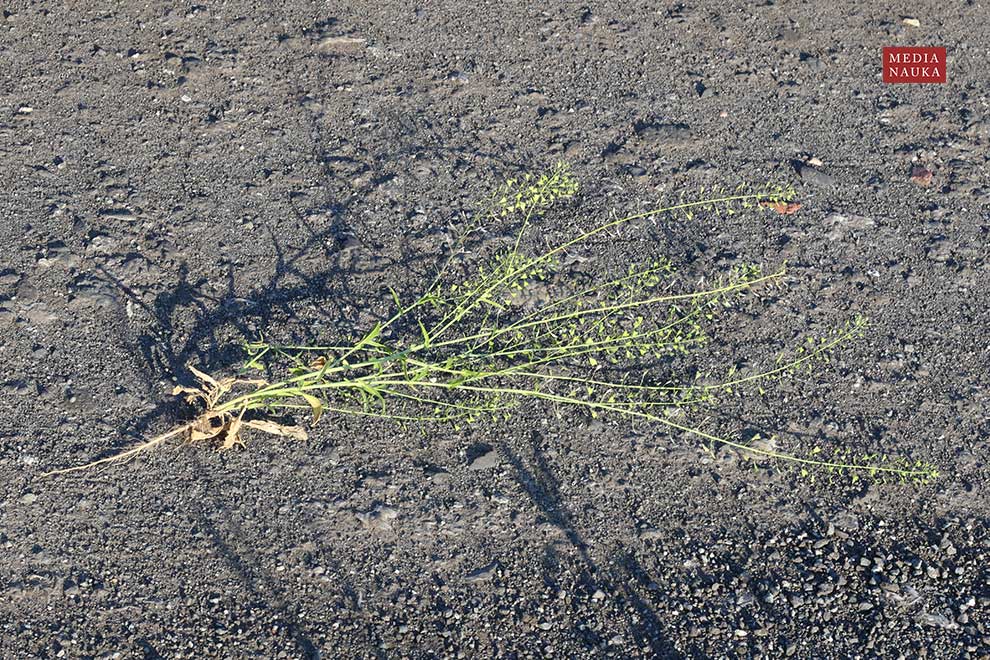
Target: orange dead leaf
x: 783, y: 208
x: 921, y: 176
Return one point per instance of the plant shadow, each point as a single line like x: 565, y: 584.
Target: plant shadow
x: 629, y: 581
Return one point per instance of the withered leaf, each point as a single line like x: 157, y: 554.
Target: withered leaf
x: 783, y: 208
x: 204, y: 378
x: 295, y: 432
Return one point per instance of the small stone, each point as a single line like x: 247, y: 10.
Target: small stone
x: 342, y: 45
x: 485, y: 461
x: 598, y: 595
x: 811, y: 61
x: 18, y: 387
x: 650, y: 534
x: 660, y: 133
x: 913, y: 22
x: 501, y: 498
x: 29, y: 498
x: 482, y: 574
x: 841, y: 223
x: 936, y: 620
x: 380, y: 518
x: 846, y: 522
x: 816, y: 177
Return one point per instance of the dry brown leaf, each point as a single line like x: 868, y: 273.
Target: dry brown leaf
x: 258, y: 382
x: 921, y: 176
x: 224, y: 384
x: 232, y: 438
x: 205, y: 430
x: 192, y: 393
x: 783, y: 208
x: 295, y: 432
x: 204, y: 378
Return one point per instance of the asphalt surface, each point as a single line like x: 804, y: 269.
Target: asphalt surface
x: 180, y: 178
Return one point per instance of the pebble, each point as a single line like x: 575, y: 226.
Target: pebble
x: 99, y: 297
x: 650, y: 534
x: 10, y: 279
x: 811, y: 61
x: 18, y: 387
x: 485, y: 461
x: 342, y: 45
x: 936, y: 621
x: 816, y: 177
x: 841, y: 223
x: 662, y: 133
x: 379, y: 518
x: 482, y: 574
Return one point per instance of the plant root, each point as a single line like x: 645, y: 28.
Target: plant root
x: 213, y: 424
x: 126, y: 454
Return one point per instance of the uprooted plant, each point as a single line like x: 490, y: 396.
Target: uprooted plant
x: 475, y: 344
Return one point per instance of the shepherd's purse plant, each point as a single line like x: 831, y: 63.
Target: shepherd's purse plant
x: 475, y: 344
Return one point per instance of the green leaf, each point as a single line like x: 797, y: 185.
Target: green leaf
x: 426, y: 334
x: 369, y: 338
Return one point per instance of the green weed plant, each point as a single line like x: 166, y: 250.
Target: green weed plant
x: 472, y: 347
